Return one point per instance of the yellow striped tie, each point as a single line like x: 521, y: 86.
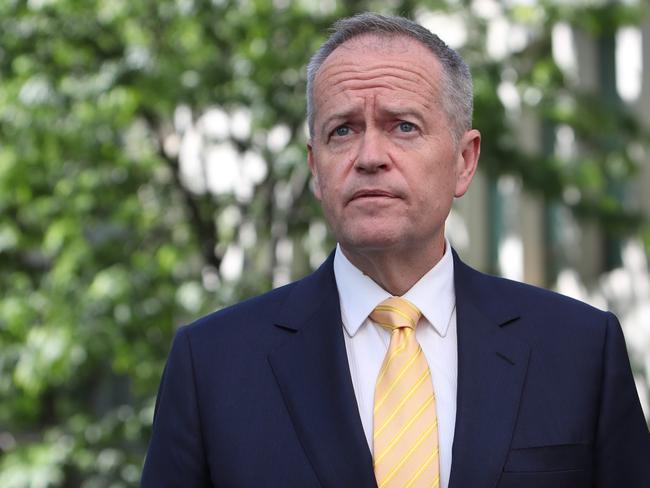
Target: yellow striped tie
x: 405, y: 425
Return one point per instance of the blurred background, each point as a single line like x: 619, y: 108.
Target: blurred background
x: 153, y: 169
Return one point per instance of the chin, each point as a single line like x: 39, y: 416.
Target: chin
x: 375, y: 240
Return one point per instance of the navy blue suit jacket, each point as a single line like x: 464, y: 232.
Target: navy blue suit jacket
x: 259, y: 394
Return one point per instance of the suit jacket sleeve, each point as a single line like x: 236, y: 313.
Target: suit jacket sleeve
x: 176, y: 454
x: 622, y: 442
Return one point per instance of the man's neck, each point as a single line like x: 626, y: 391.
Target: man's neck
x: 396, y: 272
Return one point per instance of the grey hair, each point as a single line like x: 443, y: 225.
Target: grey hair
x: 457, y: 90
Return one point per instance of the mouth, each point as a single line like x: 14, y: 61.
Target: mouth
x: 371, y: 193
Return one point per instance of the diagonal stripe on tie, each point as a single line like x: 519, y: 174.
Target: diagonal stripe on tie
x: 403, y: 401
x: 421, y: 469
x: 405, y: 428
x: 395, y: 382
x: 388, y: 360
x: 407, y: 455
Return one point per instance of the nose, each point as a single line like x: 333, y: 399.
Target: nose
x: 372, y: 156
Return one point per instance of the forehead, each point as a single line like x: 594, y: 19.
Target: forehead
x: 392, y: 68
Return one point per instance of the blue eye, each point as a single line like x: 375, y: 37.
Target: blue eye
x: 406, y: 127
x: 342, y: 130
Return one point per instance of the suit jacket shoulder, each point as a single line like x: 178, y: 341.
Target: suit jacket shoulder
x: 288, y: 304
x: 544, y: 380
x: 547, y: 313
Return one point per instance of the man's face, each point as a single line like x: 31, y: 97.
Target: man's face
x: 385, y: 166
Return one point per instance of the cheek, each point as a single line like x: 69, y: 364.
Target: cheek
x: 332, y: 199
x: 435, y: 185
x: 324, y: 188
x: 320, y: 174
x: 332, y: 177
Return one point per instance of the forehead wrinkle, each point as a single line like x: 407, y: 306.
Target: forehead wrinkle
x: 353, y: 66
x: 358, y: 104
x: 387, y: 81
x: 347, y: 79
x: 383, y: 95
x: 403, y: 72
x: 387, y: 85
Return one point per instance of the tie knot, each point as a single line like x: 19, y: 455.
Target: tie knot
x: 395, y: 313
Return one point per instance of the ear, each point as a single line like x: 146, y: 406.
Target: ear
x: 469, y: 149
x: 313, y: 169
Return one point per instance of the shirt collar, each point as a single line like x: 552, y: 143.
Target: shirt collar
x: 433, y: 294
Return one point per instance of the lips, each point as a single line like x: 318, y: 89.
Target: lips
x: 372, y: 193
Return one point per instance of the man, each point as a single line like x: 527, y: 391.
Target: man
x: 463, y: 380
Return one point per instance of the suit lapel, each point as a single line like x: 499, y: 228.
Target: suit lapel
x: 312, y: 371
x: 492, y: 367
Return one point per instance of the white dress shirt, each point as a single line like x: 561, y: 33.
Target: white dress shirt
x: 366, y: 342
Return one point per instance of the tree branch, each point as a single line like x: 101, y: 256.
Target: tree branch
x: 205, y: 228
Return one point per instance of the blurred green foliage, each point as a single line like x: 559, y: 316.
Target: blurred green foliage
x: 105, y: 248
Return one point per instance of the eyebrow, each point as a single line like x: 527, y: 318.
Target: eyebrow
x: 343, y: 114
x: 394, y: 112
x: 402, y: 112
